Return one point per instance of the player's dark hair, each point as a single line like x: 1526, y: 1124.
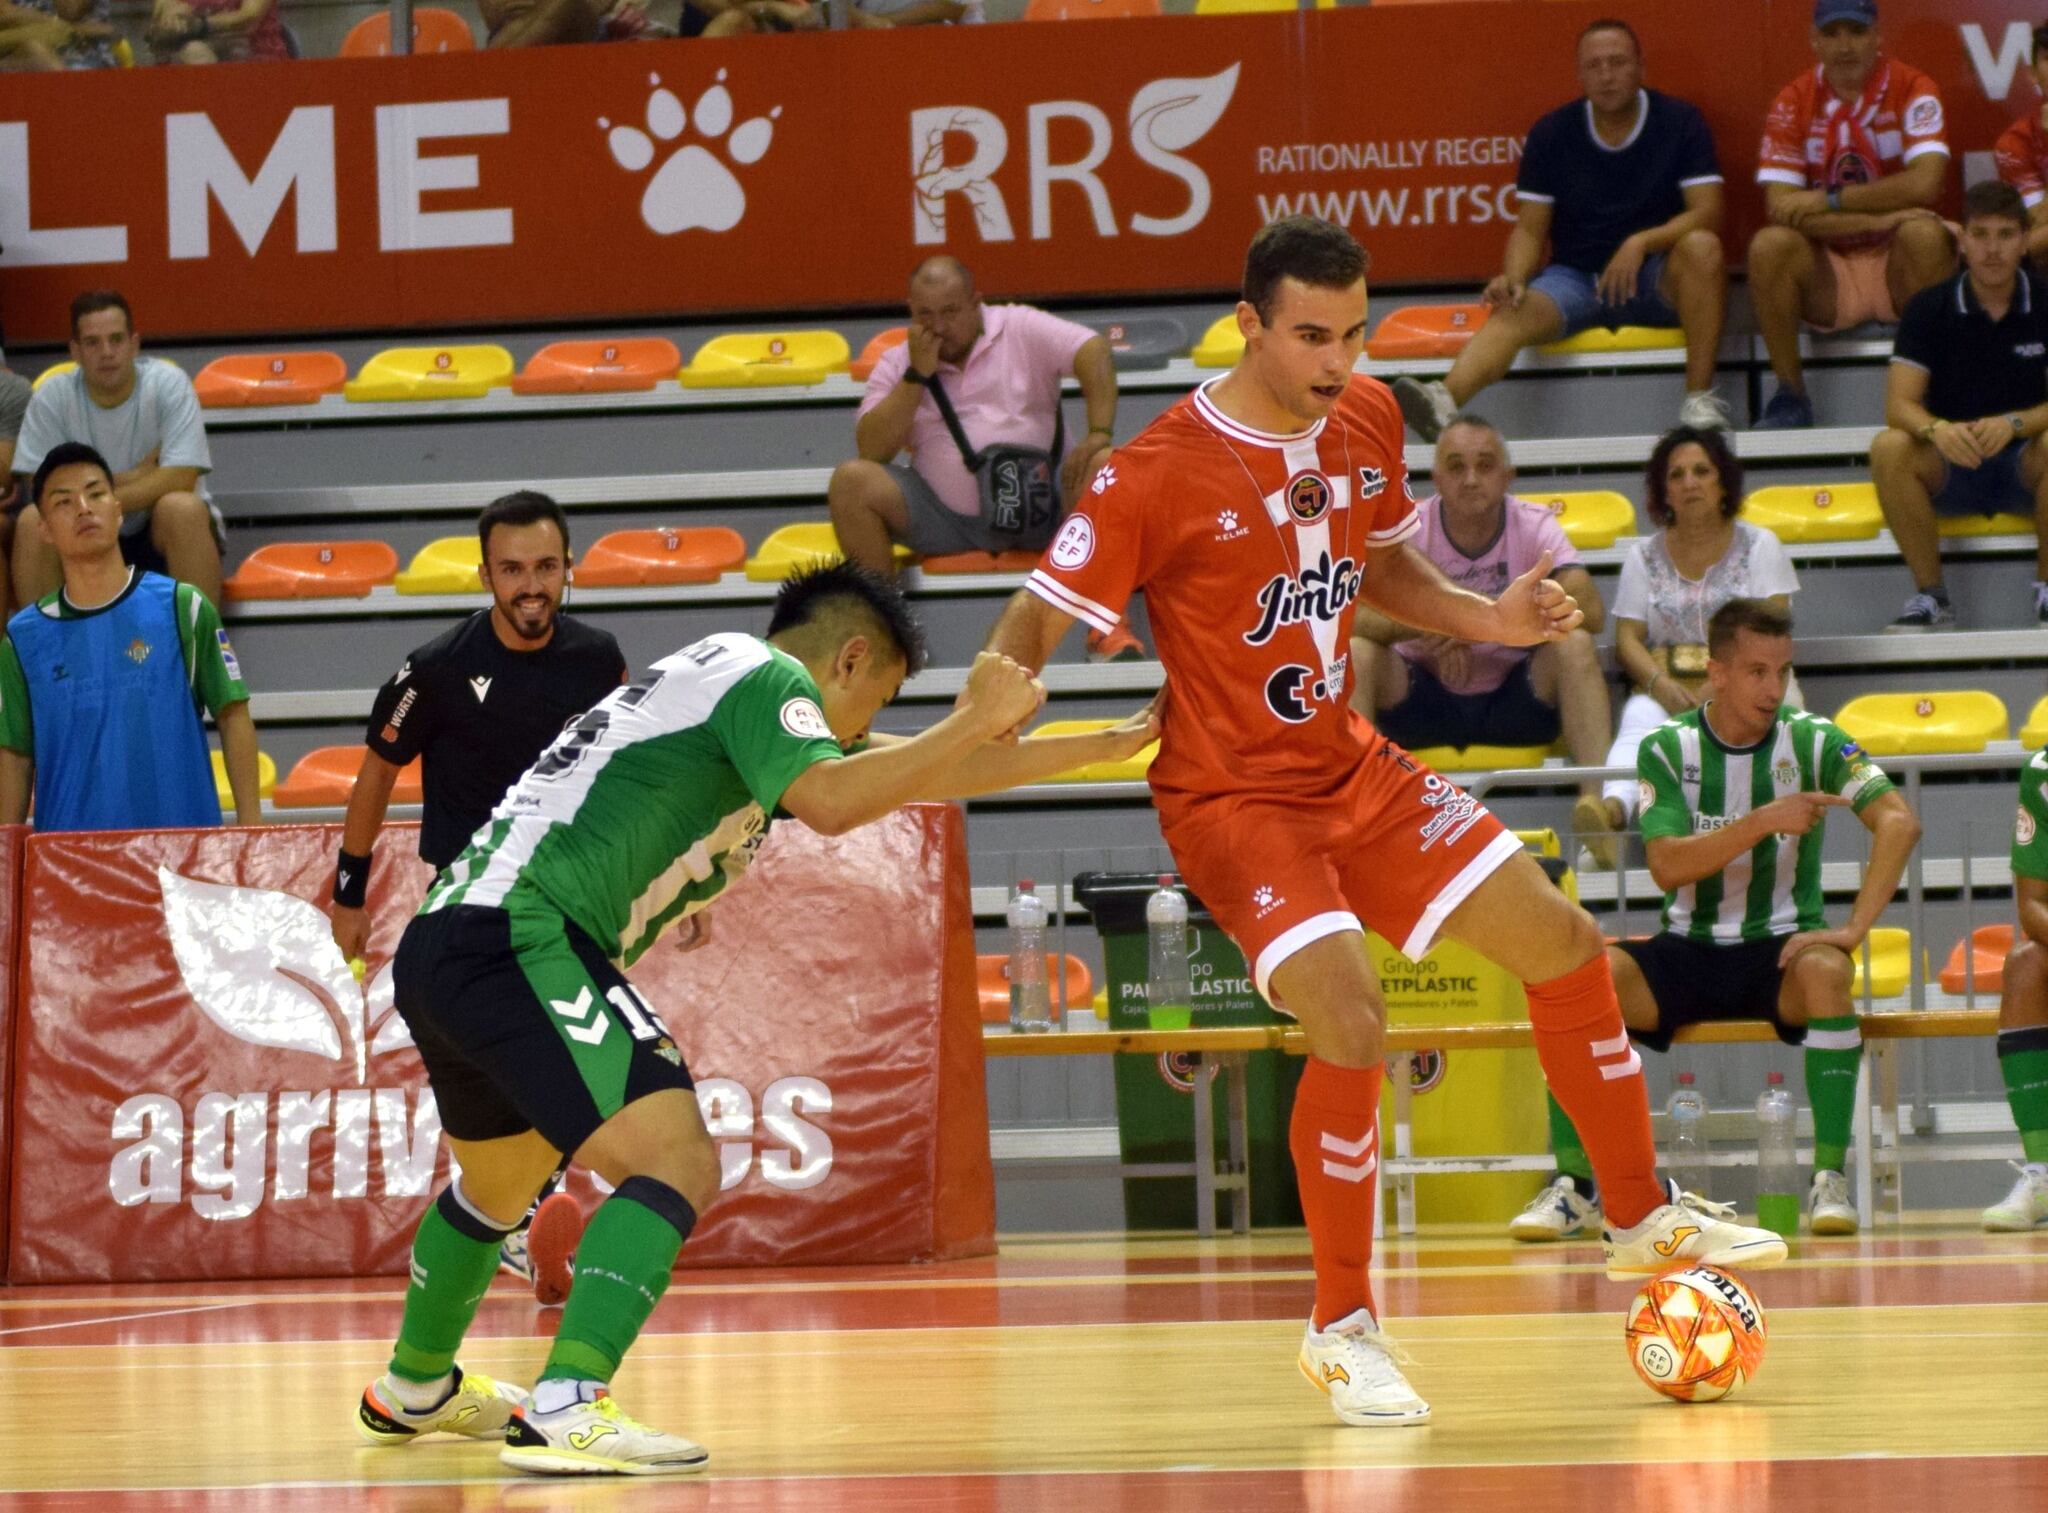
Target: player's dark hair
x: 1714, y: 442
x: 812, y: 595
x: 1315, y: 252
x: 1610, y: 24
x: 520, y: 507
x: 95, y: 300
x: 1759, y: 617
x: 1994, y: 199
x: 63, y: 455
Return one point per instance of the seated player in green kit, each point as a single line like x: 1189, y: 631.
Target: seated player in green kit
x: 2023, y: 1008
x: 536, y: 1046
x: 1734, y: 796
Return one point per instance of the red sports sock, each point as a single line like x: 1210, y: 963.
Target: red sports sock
x: 1597, y: 1078
x: 1335, y: 1139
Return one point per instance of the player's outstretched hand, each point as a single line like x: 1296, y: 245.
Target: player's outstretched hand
x: 1001, y: 695
x: 1797, y: 813
x: 1846, y: 941
x: 1535, y: 609
x: 1134, y: 733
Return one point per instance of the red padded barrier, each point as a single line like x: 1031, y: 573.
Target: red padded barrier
x: 204, y: 1092
x: 11, y: 838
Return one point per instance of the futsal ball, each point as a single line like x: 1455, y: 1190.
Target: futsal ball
x: 1696, y: 1334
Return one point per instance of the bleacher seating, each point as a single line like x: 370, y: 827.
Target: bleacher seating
x: 1481, y: 758
x: 1816, y: 512
x: 622, y: 364
x: 1979, y: 961
x: 325, y: 776
x: 693, y: 554
x: 1426, y: 331
x: 1138, y: 343
x: 269, y: 378
x: 761, y: 359
x: 434, y: 30
x: 1625, y: 339
x: 266, y: 779
x: 880, y: 342
x: 2034, y: 734
x: 1221, y: 345
x: 992, y: 980
x: 1088, y: 10
x: 1129, y: 769
x: 1891, y: 964
x: 1895, y: 724
x: 313, y: 570
x: 447, y: 565
x: 452, y: 372
x: 796, y: 547
x: 1591, y: 517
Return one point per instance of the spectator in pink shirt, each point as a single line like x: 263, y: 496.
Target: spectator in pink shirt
x: 996, y: 475
x: 1429, y: 690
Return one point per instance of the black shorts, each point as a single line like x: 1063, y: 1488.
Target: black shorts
x: 523, y: 1023
x: 1431, y: 715
x: 1695, y: 981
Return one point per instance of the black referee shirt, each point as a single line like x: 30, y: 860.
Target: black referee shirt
x: 479, y: 715
x: 1977, y: 367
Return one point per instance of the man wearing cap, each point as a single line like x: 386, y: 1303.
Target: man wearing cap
x: 1853, y: 162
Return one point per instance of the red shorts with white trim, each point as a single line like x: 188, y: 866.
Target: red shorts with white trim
x: 1395, y: 849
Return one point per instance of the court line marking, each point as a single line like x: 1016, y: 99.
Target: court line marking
x: 123, y: 1318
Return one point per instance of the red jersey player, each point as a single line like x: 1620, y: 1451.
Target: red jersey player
x: 2022, y: 153
x: 1256, y: 514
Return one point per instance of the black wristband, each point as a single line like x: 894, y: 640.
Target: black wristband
x: 351, y: 881
x: 912, y: 376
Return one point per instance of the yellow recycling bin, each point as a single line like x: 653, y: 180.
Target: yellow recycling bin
x: 1464, y: 1103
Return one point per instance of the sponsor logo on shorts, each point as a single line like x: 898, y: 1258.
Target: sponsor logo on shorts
x: 1075, y: 543
x: 1308, y: 497
x: 803, y: 719
x: 1453, y: 811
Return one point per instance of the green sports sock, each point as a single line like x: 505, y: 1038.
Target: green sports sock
x: 1570, y: 1151
x: 454, y: 1257
x: 2023, y: 1058
x: 622, y: 1269
x: 1833, y: 1049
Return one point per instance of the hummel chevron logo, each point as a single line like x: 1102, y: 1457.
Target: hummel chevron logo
x: 588, y: 1034
x: 1352, y: 1151
x: 1666, y: 1247
x: 480, y: 686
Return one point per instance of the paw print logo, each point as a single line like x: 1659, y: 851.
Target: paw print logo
x: 1262, y: 896
x: 1227, y: 521
x: 693, y: 189
x: 1104, y: 480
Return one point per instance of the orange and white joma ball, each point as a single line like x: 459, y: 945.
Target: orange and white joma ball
x: 1696, y: 1334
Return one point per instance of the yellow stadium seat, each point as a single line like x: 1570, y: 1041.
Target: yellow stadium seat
x: 766, y: 359
x: 1542, y: 842
x: 1130, y: 769
x: 1627, y: 339
x: 446, y: 566
x: 1816, y: 511
x: 1592, y: 517
x: 1986, y: 525
x: 1221, y: 345
x: 1479, y: 758
x: 1246, y: 7
x: 1891, y: 963
x: 1899, y: 724
x: 795, y: 547
x: 432, y: 373
x: 55, y: 369
x: 2034, y: 734
x: 266, y: 779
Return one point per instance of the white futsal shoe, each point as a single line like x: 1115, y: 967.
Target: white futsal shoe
x: 1556, y: 1213
x: 2025, y: 1206
x: 1689, y: 1230
x: 596, y: 1439
x: 476, y: 1407
x: 1358, y: 1368
x: 1829, y: 1208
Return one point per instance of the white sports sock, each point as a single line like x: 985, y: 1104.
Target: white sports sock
x: 553, y: 1394
x: 418, y: 1397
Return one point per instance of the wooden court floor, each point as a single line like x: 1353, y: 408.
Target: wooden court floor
x: 1906, y: 1372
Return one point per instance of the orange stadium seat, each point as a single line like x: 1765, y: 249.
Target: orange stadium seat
x: 765, y: 359
x: 468, y: 372
x: 1898, y: 724
x: 1816, y: 511
x: 445, y: 566
x: 325, y: 777
x: 1088, y: 10
x: 270, y: 378
x: 622, y: 364
x: 313, y: 570
x: 981, y: 562
x: 1426, y: 331
x: 434, y: 30
x: 992, y: 975
x: 693, y: 554
x: 871, y: 354
x: 1981, y: 957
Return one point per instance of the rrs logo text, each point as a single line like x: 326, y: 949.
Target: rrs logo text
x: 1322, y: 592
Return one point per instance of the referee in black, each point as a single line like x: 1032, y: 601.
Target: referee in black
x: 477, y: 705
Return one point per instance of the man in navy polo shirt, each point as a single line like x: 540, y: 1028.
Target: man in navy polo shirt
x: 1966, y: 404
x: 1625, y: 187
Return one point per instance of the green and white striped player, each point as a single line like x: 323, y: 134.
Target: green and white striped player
x: 639, y: 815
x: 1734, y: 797
x: 2023, y: 1008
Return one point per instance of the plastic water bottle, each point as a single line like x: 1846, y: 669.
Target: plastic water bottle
x: 1777, y: 1160
x: 1685, y: 1160
x: 1169, y: 1003
x: 1030, y: 1000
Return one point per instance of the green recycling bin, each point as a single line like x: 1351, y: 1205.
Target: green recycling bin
x: 1155, y: 1095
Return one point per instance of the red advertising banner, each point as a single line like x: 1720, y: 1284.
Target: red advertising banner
x: 202, y: 1090
x: 614, y: 182
x: 11, y: 839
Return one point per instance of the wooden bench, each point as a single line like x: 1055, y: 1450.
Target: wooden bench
x: 1226, y: 1049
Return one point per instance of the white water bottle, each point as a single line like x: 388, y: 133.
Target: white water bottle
x: 1030, y: 1000
x: 1169, y: 1001
x: 1685, y: 1159
x: 1777, y: 1158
